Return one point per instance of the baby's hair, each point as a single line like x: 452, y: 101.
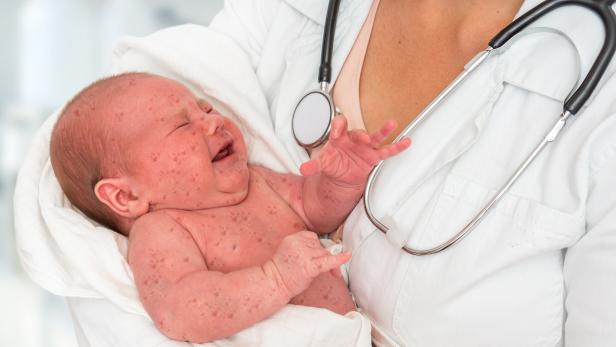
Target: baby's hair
x: 82, y: 148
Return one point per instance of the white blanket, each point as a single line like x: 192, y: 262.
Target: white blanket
x: 72, y: 256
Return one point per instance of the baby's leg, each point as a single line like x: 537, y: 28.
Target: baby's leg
x: 327, y: 291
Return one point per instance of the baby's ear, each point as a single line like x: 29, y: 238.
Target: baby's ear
x: 118, y: 195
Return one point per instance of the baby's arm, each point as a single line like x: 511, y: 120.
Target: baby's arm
x: 189, y: 302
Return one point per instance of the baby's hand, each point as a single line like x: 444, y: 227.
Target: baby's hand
x: 349, y: 156
x: 299, y: 259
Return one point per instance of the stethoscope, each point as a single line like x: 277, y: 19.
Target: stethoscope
x: 315, y: 111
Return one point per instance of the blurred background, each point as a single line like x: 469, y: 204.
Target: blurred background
x: 50, y: 50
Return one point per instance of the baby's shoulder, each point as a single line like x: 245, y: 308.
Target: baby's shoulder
x: 154, y: 225
x: 152, y: 219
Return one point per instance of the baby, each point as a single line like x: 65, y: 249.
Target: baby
x: 215, y: 244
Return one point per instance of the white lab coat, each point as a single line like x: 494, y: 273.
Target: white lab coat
x: 540, y: 270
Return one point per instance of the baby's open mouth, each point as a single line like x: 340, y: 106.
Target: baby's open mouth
x: 224, y: 152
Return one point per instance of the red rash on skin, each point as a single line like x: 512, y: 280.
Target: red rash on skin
x: 202, y: 254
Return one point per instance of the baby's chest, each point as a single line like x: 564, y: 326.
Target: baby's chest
x: 237, y: 238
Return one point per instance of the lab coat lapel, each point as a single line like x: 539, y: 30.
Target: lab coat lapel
x: 443, y: 137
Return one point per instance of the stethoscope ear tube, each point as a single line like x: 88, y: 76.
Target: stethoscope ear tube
x: 604, y: 10
x: 325, y: 70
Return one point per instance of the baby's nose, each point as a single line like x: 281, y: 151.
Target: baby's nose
x: 212, y: 123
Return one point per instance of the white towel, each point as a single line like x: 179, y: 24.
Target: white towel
x: 70, y: 255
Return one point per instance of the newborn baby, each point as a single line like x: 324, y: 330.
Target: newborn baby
x: 215, y: 244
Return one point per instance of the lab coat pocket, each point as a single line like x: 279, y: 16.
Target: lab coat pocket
x: 515, y: 221
x: 506, y: 273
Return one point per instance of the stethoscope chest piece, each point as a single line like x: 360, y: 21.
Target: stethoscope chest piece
x: 312, y: 118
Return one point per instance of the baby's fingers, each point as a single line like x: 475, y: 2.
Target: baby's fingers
x: 395, y: 148
x: 330, y: 262
x: 360, y: 136
x: 310, y: 167
x: 339, y: 127
x: 381, y: 134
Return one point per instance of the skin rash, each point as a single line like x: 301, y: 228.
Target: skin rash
x: 217, y: 244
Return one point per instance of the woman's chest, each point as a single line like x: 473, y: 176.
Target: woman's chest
x: 413, y: 54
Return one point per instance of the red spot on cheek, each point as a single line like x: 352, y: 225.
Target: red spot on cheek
x: 77, y: 113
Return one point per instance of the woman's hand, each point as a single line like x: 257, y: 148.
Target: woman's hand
x: 349, y: 156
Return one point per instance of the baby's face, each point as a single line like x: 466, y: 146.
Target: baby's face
x: 182, y: 153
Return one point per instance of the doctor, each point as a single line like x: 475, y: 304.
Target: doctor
x: 540, y: 269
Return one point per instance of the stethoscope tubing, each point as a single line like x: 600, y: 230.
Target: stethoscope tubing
x: 571, y: 106
x: 325, y: 69
x: 600, y: 7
